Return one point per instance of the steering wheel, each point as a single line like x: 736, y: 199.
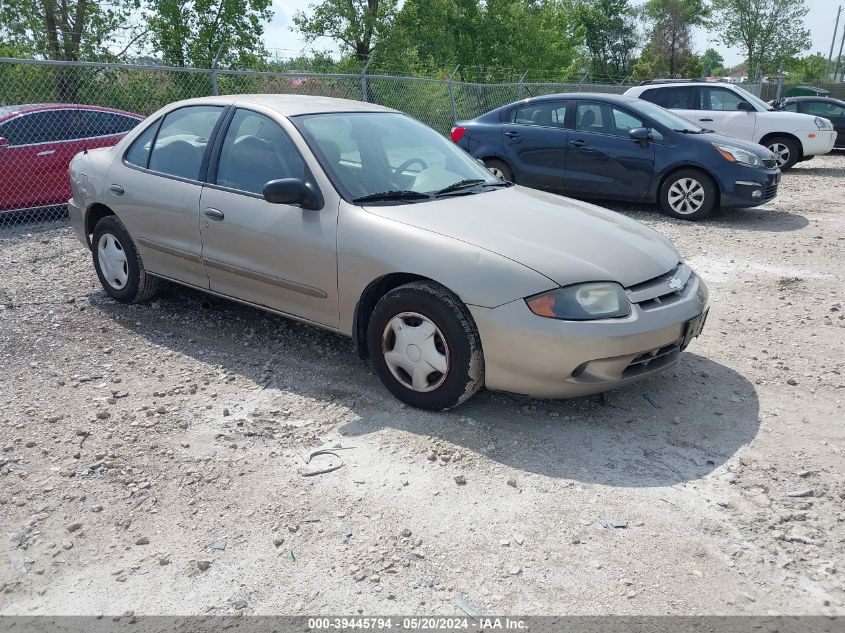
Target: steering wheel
x: 408, y: 163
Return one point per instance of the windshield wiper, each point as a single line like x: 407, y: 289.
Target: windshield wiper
x: 392, y: 195
x: 470, y: 182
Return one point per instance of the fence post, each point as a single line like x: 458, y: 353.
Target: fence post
x: 214, y: 91
x: 365, y: 89
x: 452, y: 94
x: 522, y: 85
x: 780, y: 82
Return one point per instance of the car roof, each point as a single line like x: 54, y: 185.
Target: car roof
x: 7, y: 112
x: 292, y: 105
x: 591, y: 96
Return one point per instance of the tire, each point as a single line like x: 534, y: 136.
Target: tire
x: 439, y: 334
x: 688, y: 194
x: 118, y: 265
x: 787, y: 151
x: 499, y: 169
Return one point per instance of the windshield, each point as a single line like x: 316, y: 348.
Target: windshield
x: 390, y: 157
x: 664, y: 117
x: 757, y: 101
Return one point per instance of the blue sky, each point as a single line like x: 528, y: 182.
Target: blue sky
x: 279, y: 36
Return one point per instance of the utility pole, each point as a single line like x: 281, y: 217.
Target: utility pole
x: 839, y: 59
x: 832, y: 43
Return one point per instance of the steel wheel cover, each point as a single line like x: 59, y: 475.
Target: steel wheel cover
x: 112, y: 259
x: 415, y: 351
x: 686, y: 196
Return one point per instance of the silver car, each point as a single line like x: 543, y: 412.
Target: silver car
x: 358, y: 219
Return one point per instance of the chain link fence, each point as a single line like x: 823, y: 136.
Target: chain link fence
x: 73, y: 106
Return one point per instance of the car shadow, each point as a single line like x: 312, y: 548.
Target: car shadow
x: 677, y: 427
x: 755, y: 219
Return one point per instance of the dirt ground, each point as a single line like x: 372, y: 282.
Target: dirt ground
x: 153, y: 456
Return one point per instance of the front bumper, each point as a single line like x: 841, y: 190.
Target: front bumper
x: 815, y: 142
x: 549, y: 358
x: 743, y: 186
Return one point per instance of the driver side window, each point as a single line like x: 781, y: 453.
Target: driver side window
x: 255, y: 151
x: 721, y: 99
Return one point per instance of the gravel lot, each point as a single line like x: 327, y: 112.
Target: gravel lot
x: 153, y: 457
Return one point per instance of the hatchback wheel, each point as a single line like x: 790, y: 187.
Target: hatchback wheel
x: 499, y: 169
x: 786, y: 151
x: 688, y: 194
x: 118, y: 265
x: 425, y: 347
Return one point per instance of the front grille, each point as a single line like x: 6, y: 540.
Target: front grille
x: 667, y: 288
x: 770, y: 163
x: 770, y: 192
x: 652, y: 359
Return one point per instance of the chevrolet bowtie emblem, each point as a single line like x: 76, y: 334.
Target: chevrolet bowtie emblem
x: 675, y: 283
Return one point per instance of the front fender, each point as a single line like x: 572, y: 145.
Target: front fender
x: 371, y: 246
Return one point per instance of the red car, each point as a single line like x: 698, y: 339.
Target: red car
x: 37, y: 143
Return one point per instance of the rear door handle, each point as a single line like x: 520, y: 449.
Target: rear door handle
x: 46, y: 152
x: 578, y: 143
x: 708, y: 120
x: 512, y: 134
x: 116, y: 190
x: 213, y: 214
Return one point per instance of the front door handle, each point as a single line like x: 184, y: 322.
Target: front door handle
x: 512, y: 134
x: 708, y: 120
x: 578, y: 143
x: 116, y: 190
x: 46, y: 152
x: 214, y: 214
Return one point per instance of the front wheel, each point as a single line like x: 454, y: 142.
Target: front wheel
x: 425, y: 346
x: 499, y: 169
x: 118, y: 264
x: 786, y: 150
x: 688, y: 194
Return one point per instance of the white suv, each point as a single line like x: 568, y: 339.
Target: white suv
x: 729, y: 109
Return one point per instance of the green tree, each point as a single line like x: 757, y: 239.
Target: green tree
x: 713, y: 63
x: 610, y: 36
x: 672, y: 22
x: 69, y: 30
x: 809, y: 69
x: 193, y: 32
x: 356, y: 24
x: 769, y: 32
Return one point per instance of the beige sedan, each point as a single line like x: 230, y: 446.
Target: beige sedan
x: 358, y: 219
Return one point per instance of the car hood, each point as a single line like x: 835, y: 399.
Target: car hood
x: 724, y: 139
x: 566, y: 240
x: 792, y: 121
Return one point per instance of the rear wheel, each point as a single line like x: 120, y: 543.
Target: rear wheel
x: 688, y: 194
x: 786, y: 150
x: 118, y: 265
x: 499, y: 169
x: 425, y: 347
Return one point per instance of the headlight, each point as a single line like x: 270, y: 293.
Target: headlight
x: 584, y: 302
x: 737, y: 155
x: 823, y: 124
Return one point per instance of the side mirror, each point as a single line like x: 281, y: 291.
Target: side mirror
x: 745, y: 106
x: 292, y: 191
x: 4, y: 142
x: 641, y: 135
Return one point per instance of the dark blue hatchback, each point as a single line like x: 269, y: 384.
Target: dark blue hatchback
x: 620, y: 148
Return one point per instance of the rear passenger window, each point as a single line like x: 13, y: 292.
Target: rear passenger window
x: 139, y: 153
x: 182, y: 139
x: 672, y: 97
x: 549, y: 114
